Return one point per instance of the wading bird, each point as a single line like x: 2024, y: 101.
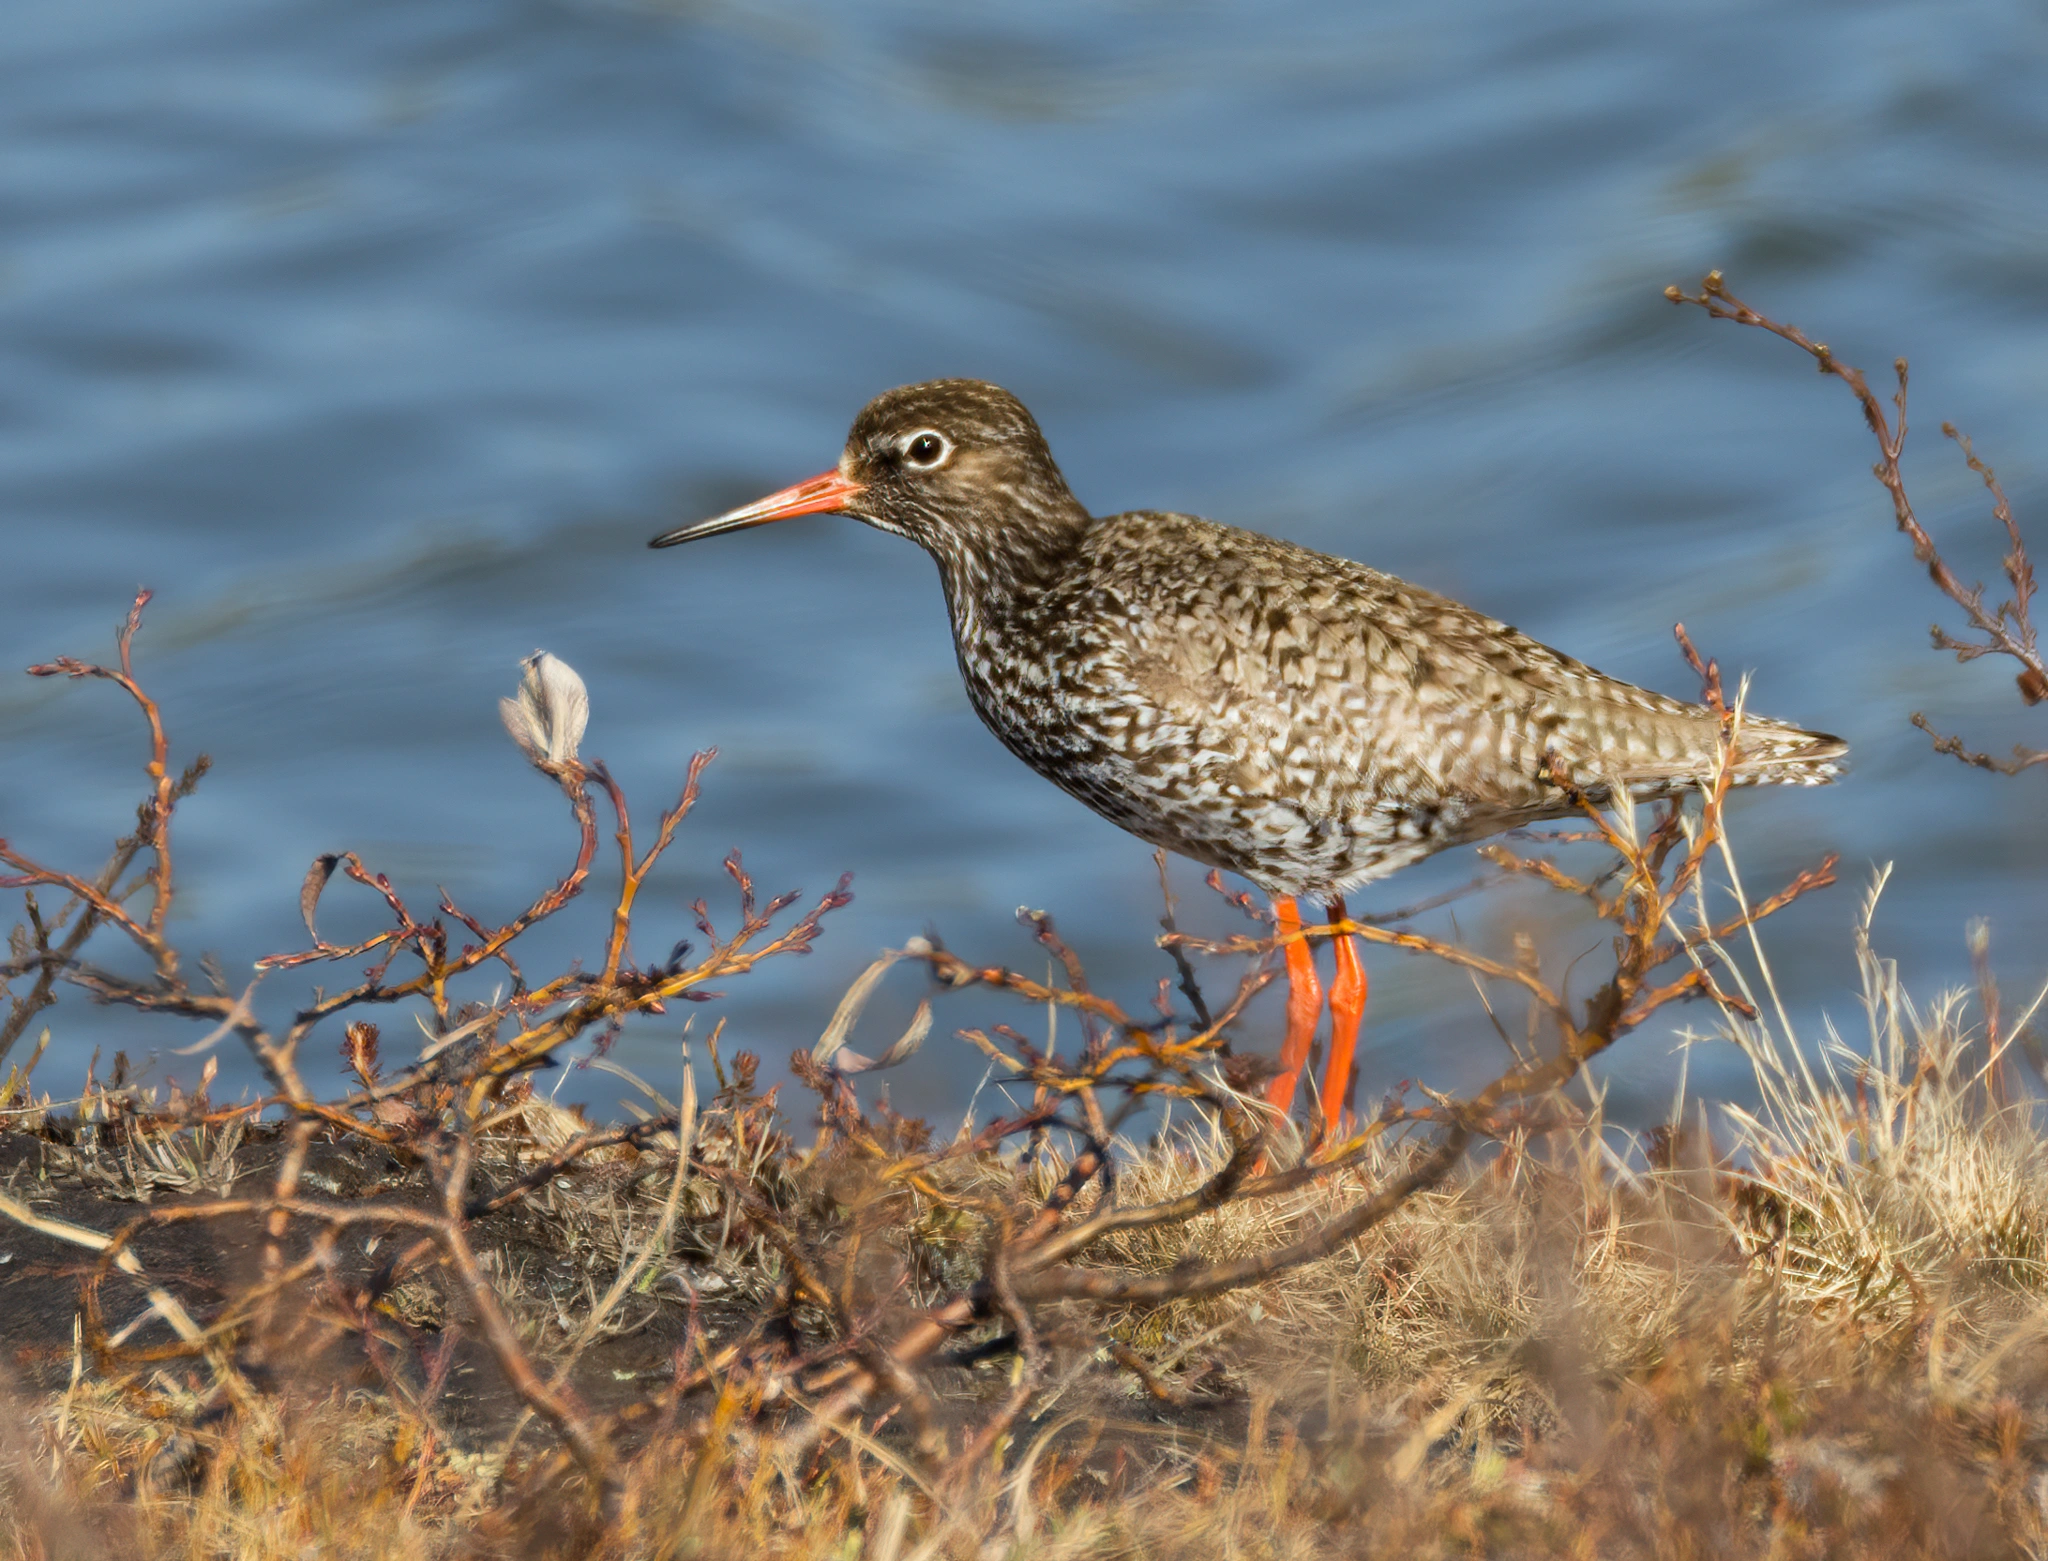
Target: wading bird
x: 1300, y: 720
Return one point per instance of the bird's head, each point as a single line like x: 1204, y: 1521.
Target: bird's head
x: 950, y: 463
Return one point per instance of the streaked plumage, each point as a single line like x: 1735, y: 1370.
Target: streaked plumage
x: 1302, y: 720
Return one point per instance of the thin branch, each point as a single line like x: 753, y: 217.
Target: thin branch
x: 2006, y: 630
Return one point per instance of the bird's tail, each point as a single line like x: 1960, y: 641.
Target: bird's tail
x: 1775, y: 753
x: 1767, y: 753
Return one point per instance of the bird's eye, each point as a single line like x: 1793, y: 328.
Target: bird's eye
x: 926, y: 449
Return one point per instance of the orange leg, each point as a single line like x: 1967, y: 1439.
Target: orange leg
x: 1304, y: 1006
x: 1347, y: 1011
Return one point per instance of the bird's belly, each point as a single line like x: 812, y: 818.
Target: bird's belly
x: 1279, y: 819
x: 1283, y: 844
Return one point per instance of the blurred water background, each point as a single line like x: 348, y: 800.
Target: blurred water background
x: 379, y: 337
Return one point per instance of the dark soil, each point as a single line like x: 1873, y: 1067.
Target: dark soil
x: 362, y: 1331
x: 42, y: 1281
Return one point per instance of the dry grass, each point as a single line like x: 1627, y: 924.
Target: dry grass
x: 1820, y: 1336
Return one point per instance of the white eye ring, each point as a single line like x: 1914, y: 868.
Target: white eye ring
x: 927, y: 449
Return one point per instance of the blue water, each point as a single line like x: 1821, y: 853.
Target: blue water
x: 377, y: 338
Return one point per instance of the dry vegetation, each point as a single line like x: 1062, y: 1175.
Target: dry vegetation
x: 2006, y: 630
x: 433, y: 1314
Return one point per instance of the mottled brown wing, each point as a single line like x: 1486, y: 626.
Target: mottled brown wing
x: 1344, y: 688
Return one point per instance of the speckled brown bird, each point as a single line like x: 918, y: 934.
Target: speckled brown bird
x: 1302, y: 720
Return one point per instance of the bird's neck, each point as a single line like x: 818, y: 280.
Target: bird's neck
x: 995, y: 570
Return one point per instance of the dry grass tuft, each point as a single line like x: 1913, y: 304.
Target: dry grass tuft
x: 1820, y: 1336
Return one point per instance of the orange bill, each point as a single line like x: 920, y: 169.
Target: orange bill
x: 826, y: 491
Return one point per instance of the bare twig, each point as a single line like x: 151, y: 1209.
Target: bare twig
x: 2005, y: 630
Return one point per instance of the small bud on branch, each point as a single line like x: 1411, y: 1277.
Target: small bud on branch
x: 547, y: 716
